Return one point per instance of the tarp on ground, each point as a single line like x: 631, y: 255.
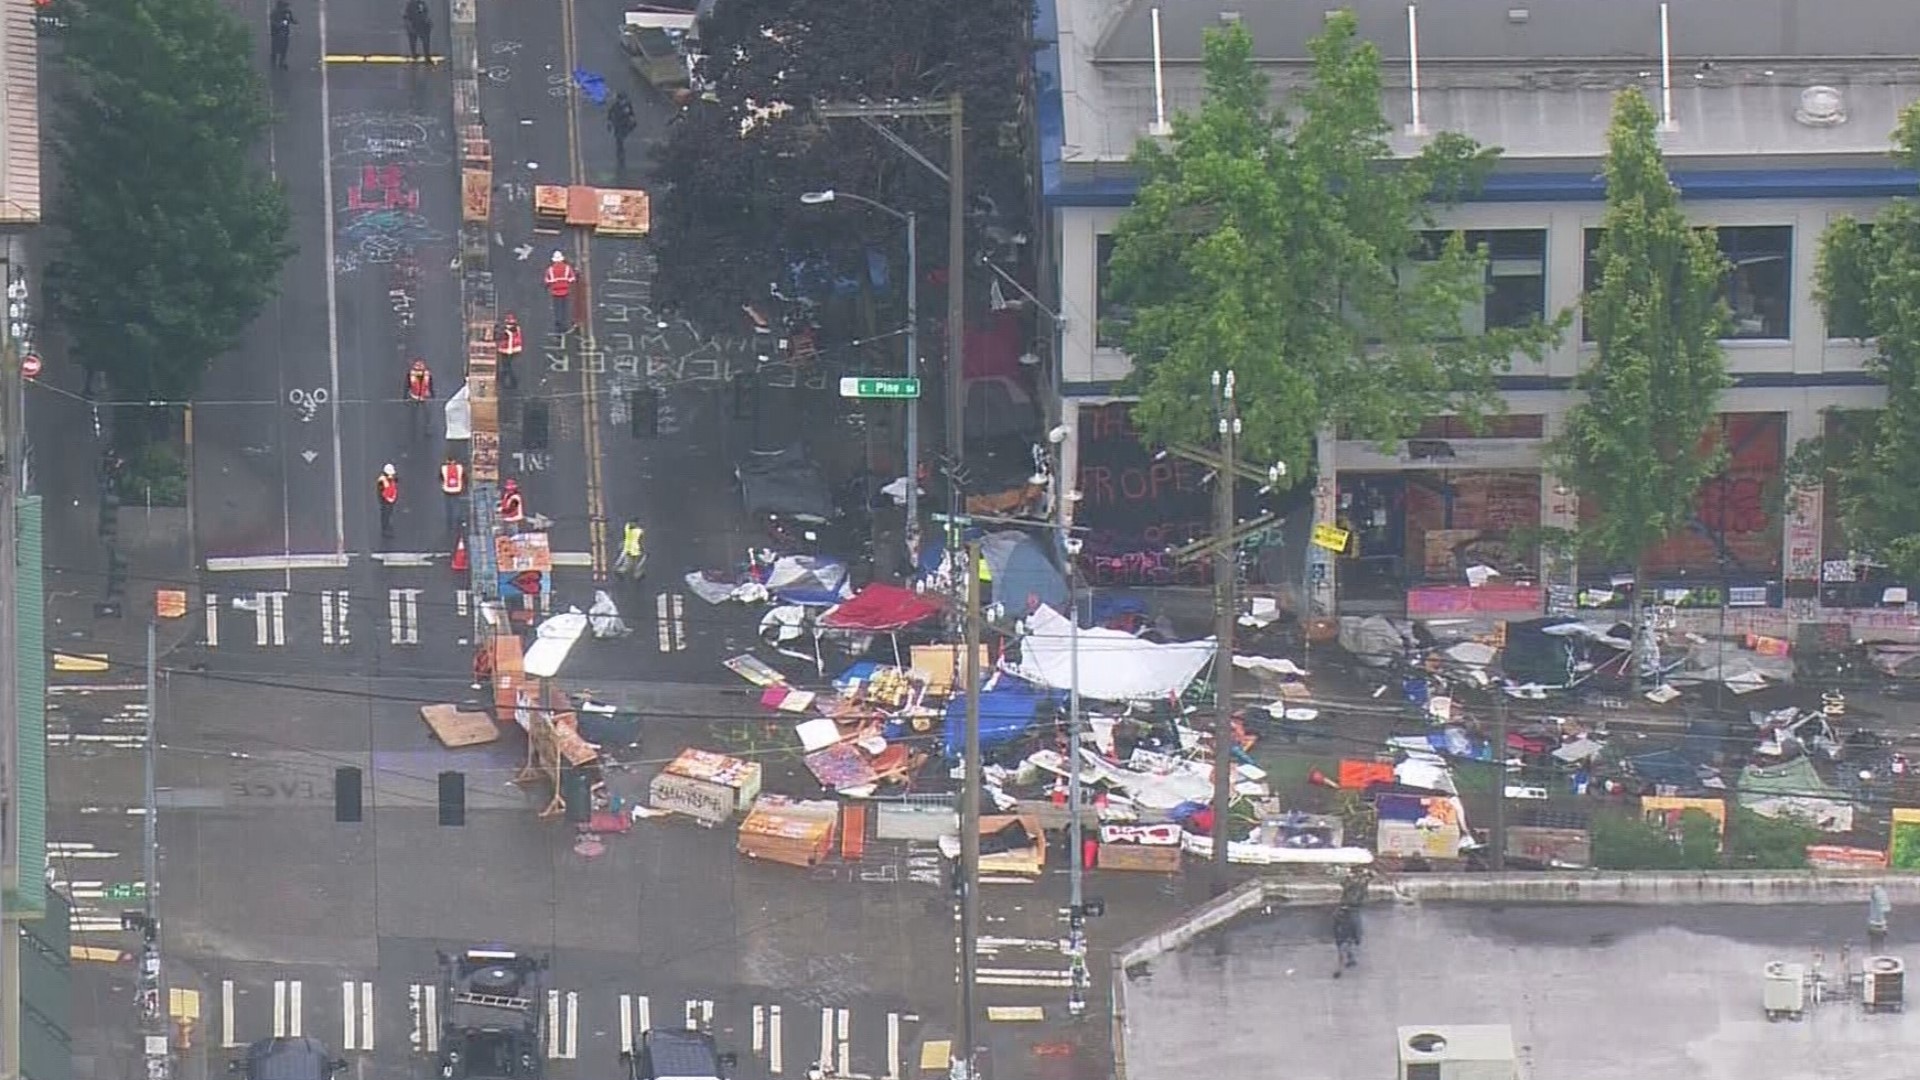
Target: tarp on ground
x: 785, y: 483
x: 1006, y: 712
x: 809, y: 580
x: 1023, y: 576
x: 878, y: 608
x: 1795, y: 790
x: 1113, y: 666
x: 552, y: 642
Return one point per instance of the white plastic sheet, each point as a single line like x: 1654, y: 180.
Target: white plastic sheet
x: 460, y: 415
x: 1114, y: 666
x: 552, y: 642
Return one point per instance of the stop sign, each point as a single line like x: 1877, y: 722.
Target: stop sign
x: 30, y: 365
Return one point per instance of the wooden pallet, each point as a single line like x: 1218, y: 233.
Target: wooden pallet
x: 549, y: 206
x: 475, y: 147
x: 476, y: 195
x: 624, y: 212
x: 456, y: 729
x: 482, y: 358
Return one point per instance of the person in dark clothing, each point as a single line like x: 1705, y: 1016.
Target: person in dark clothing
x: 620, y: 121
x: 419, y: 23
x: 1346, y: 937
x: 280, y: 31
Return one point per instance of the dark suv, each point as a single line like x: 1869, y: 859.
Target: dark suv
x: 678, y: 1055
x: 493, y: 1017
x: 287, y: 1059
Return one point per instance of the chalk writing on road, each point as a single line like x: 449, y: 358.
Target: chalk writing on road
x: 663, y: 351
x: 394, y: 138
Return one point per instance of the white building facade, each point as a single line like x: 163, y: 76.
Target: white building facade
x: 1778, y: 123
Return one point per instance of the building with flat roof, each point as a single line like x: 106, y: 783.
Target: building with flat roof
x: 1778, y: 116
x: 34, y: 960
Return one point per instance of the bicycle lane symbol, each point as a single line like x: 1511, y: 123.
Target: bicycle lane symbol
x: 306, y: 403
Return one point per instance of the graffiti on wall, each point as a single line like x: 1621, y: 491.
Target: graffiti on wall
x: 1737, y: 512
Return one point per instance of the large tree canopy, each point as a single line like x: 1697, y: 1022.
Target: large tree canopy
x: 1870, y: 283
x: 1634, y: 444
x: 728, y: 218
x: 170, y: 240
x: 1290, y: 246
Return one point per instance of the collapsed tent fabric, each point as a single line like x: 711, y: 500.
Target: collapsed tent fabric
x: 1023, y: 576
x: 1113, y: 666
x: 1006, y: 712
x: 785, y: 482
x: 879, y: 608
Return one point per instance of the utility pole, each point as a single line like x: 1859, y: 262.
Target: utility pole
x: 1499, y: 859
x: 1224, y: 481
x: 953, y: 109
x: 153, y: 984
x: 963, y: 1057
x: 913, y: 372
x: 957, y: 281
x: 1076, y: 844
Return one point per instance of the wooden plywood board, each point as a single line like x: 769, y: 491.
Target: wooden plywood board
x: 1152, y: 859
x: 583, y: 206
x: 485, y: 454
x: 549, y: 203
x: 476, y: 194
x: 456, y: 729
x: 624, y: 212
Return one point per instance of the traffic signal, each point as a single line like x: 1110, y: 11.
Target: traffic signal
x: 346, y: 794
x: 453, y: 798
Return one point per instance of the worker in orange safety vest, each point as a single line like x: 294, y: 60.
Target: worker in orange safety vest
x: 387, y: 488
x: 509, y: 343
x: 559, y: 280
x: 453, y: 484
x: 419, y: 389
x: 513, y: 507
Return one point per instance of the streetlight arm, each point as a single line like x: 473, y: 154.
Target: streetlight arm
x: 875, y: 203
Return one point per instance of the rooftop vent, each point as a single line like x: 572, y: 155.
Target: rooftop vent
x: 1230, y: 18
x: 1821, y: 106
x: 1518, y: 15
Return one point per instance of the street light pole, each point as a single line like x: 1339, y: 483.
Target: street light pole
x: 962, y: 1064
x: 913, y: 372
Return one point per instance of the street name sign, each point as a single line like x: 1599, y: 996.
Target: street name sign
x: 856, y: 387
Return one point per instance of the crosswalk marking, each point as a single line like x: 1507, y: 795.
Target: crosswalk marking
x: 699, y: 1015
x: 460, y: 601
x: 356, y: 1015
x: 286, y: 1009
x: 213, y: 620
x: 423, y: 1001
x: 836, y: 1043
x: 563, y: 1025
x: 269, y: 618
x: 776, y: 1047
x: 335, y: 617
x: 626, y: 1022
x: 670, y: 614
x: 403, y: 616
x: 227, y: 1041
x: 893, y: 1046
x: 846, y: 1043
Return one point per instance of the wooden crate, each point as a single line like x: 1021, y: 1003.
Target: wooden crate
x: 583, y: 206
x: 549, y: 206
x: 624, y: 212
x: 476, y: 195
x: 476, y: 148
x: 482, y: 358
x: 1152, y: 859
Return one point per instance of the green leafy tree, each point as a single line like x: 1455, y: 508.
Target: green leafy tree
x: 1630, y: 842
x: 1867, y: 280
x: 169, y: 238
x: 1290, y: 246
x: 1634, y: 445
x: 1769, y: 843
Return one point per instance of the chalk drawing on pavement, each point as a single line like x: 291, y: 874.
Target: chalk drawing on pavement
x: 497, y: 73
x: 506, y: 48
x: 392, y: 138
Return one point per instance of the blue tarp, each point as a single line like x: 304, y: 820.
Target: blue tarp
x: 1006, y: 712
x: 1023, y: 576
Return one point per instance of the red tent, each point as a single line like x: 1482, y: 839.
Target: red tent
x: 878, y: 608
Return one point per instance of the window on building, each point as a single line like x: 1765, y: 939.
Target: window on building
x: 1516, y: 276
x: 1759, y: 284
x: 1110, y: 316
x: 1589, y: 275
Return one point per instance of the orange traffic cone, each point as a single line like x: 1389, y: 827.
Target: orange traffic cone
x: 460, y: 554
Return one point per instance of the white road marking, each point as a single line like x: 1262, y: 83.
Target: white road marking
x: 643, y: 1013
x: 563, y: 1028
x: 326, y: 630
x: 573, y: 1024
x: 290, y: 561
x: 846, y: 1042
x: 286, y: 1008
x: 699, y: 1015
x: 227, y: 1041
x: 342, y: 617
x: 279, y: 600
x: 893, y: 1046
x: 423, y: 1002
x: 775, y: 1052
x: 399, y: 559
x: 349, y: 1019
x: 626, y: 1023
x: 759, y: 1029
x: 573, y: 559
x: 403, y: 615
x: 679, y: 623
x: 1025, y: 976
x: 460, y: 601
x: 356, y: 1015
x: 213, y: 620
x: 826, y: 1038
x: 259, y: 618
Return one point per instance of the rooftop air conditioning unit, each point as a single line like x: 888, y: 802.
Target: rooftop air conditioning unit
x: 1458, y: 1052
x: 1883, y: 987
x: 1784, y: 993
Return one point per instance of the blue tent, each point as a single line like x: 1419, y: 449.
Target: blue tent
x: 1006, y: 712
